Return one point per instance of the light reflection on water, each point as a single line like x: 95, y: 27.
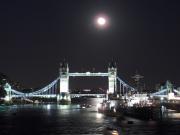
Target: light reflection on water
x: 51, y: 120
x: 71, y: 119
x: 99, y: 115
x: 174, y: 115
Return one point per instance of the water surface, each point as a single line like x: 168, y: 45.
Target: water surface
x: 71, y: 119
x: 51, y: 120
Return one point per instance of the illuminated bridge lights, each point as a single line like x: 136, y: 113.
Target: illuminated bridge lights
x: 49, y: 91
x: 88, y: 74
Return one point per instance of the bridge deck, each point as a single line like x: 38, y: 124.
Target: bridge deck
x: 55, y: 95
x: 88, y: 74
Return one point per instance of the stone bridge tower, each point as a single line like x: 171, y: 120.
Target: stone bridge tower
x: 112, y: 78
x: 64, y: 94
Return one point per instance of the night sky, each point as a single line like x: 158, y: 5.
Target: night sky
x: 143, y: 35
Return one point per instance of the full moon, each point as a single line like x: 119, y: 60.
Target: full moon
x: 101, y: 21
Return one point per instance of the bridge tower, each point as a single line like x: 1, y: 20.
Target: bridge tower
x: 169, y: 86
x: 112, y: 78
x: 7, y: 88
x: 64, y: 95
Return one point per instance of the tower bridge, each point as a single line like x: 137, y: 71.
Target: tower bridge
x: 62, y: 81
x: 59, y: 88
x: 167, y: 92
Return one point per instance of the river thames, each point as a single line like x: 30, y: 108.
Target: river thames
x: 55, y: 119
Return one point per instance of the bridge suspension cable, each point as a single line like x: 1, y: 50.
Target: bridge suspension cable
x: 49, y: 89
x: 124, y: 86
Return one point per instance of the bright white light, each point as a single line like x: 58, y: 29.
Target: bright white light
x: 114, y: 132
x: 99, y: 115
x: 87, y: 90
x: 101, y: 21
x: 171, y: 96
x: 114, y: 110
x: 64, y: 85
x: 98, y: 105
x: 48, y: 106
x: 69, y: 98
x: 88, y: 73
x: 112, y: 104
x: 7, y: 98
